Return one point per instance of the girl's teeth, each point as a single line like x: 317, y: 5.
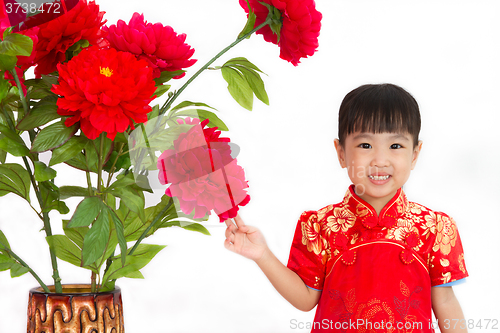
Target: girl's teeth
x: 379, y: 177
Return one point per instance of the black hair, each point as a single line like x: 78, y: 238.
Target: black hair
x: 379, y: 108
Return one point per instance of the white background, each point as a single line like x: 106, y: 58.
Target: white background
x: 446, y: 53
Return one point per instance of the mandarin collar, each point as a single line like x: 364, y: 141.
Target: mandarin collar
x: 367, y: 215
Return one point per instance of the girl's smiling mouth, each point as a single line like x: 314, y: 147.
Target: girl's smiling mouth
x: 373, y: 177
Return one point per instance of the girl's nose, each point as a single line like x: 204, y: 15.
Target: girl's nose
x: 380, y: 158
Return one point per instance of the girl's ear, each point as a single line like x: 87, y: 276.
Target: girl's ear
x: 340, y: 153
x: 416, y: 153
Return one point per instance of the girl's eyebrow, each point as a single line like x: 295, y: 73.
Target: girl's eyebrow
x: 399, y: 136
x: 396, y: 136
x: 363, y: 136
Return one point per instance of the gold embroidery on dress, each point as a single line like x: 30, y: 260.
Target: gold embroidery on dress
x: 461, y: 263
x: 341, y: 220
x: 444, y: 262
x: 311, y: 234
x: 446, y: 235
x: 446, y: 277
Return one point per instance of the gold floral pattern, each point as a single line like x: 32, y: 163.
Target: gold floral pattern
x: 323, y: 211
x: 444, y: 262
x: 461, y: 263
x: 341, y: 220
x: 414, y: 208
x: 401, y: 230
x: 446, y: 277
x: 429, y: 227
x: 446, y: 234
x: 311, y: 234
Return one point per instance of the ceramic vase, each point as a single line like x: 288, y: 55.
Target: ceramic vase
x: 76, y: 310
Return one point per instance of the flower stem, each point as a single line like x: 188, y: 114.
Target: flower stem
x: 100, y: 193
x: 20, y: 261
x: 113, y: 169
x: 20, y: 88
x: 45, y: 215
x: 171, y: 100
x: 100, y: 164
x: 153, y: 223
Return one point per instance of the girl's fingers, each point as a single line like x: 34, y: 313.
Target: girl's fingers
x: 229, y: 222
x: 230, y: 230
x: 239, y: 221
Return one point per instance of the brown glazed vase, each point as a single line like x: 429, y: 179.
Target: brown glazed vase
x: 76, y: 310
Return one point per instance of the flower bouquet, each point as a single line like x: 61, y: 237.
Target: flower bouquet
x: 94, y: 106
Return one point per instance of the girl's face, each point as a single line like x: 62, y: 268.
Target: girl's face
x: 378, y: 164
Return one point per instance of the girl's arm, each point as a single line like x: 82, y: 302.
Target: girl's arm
x: 447, y: 310
x: 250, y: 243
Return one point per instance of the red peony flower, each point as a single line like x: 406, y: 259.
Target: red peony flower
x: 299, y: 32
x: 159, y: 45
x: 105, y: 90
x: 4, y: 18
x: 55, y: 37
x: 202, y: 173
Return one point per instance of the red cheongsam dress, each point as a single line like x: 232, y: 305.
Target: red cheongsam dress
x: 376, y: 272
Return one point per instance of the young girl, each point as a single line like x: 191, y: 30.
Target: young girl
x: 375, y: 261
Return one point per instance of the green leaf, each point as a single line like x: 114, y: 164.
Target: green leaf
x: 7, y: 62
x: 68, y: 150
x: 6, y: 262
x: 255, y: 81
x: 122, y: 162
x: 40, y: 114
x: 66, y: 192
x: 250, y: 22
x: 76, y: 235
x: 53, y: 136
x: 13, y: 147
x: 17, y: 270
x: 4, y: 243
x: 166, y: 76
x: 91, y: 158
x: 50, y: 80
x: 134, y: 227
x: 86, y: 212
x: 95, y: 241
x: 76, y: 48
x: 186, y: 104
x: 242, y: 61
x: 5, y: 130
x: 3, y: 156
x: 50, y: 198
x: 121, y: 181
x: 133, y: 263
x: 16, y: 45
x: 238, y: 87
x: 132, y: 199
x: 65, y: 249
x: 214, y: 121
x: 4, y: 87
x: 120, y: 235
x: 14, y: 179
x: 192, y: 226
x: 37, y: 89
x: 160, y: 90
x: 43, y: 172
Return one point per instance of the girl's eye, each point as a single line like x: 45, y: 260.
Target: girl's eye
x: 365, y: 146
x: 396, y: 146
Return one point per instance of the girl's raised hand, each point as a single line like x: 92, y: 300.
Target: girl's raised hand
x: 245, y: 240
